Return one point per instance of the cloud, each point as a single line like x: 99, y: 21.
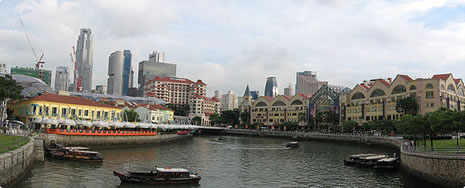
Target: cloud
x: 229, y: 44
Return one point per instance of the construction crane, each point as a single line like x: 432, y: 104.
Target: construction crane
x: 39, y: 63
x: 77, y: 78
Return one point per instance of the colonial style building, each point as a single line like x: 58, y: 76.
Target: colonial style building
x: 155, y: 113
x: 203, y: 107
x: 274, y: 111
x: 376, y: 99
x: 55, y: 106
x: 177, y: 91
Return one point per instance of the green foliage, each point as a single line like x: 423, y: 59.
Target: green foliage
x: 349, y: 126
x: 407, y: 105
x: 215, y: 119
x: 179, y: 110
x: 9, y: 89
x: 197, y: 120
x: 130, y: 115
x: 245, y: 117
x: 290, y: 125
x: 231, y: 117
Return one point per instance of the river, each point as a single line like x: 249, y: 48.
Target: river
x: 231, y: 162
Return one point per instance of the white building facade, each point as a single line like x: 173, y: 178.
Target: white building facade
x: 229, y: 101
x: 62, y: 78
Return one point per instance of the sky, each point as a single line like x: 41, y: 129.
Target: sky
x: 231, y: 43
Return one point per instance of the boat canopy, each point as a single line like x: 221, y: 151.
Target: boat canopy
x: 66, y: 122
x: 172, y: 170
x: 390, y: 159
x: 376, y: 157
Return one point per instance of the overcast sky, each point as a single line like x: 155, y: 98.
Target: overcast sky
x: 231, y: 43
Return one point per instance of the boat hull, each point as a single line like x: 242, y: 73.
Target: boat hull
x: 155, y: 180
x: 81, y: 132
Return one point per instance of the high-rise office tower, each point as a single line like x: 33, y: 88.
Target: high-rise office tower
x: 271, y: 87
x: 255, y: 94
x: 115, y: 73
x: 128, y: 73
x: 229, y: 101
x: 62, y: 78
x: 85, y: 60
x: 307, y: 83
x: 154, y: 67
x: 289, y: 90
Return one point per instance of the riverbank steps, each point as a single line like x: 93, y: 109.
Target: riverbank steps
x: 15, y: 164
x: 73, y: 140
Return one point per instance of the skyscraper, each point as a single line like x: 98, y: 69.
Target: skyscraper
x: 229, y: 101
x: 307, y: 83
x: 271, y: 87
x: 128, y: 73
x: 115, y: 73
x: 154, y: 67
x: 85, y: 60
x: 62, y: 78
x: 255, y: 94
x: 289, y: 91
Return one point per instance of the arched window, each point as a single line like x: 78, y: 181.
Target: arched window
x: 358, y: 95
x: 460, y: 91
x: 429, y: 86
x: 377, y: 93
x: 412, y: 87
x: 261, y: 104
x: 442, y: 87
x: 297, y: 102
x: 451, y: 88
x: 279, y: 103
x: 399, y: 89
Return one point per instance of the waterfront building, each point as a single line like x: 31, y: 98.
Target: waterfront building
x: 273, y: 111
x: 271, y: 87
x: 3, y: 68
x: 85, y: 60
x: 155, y: 66
x: 307, y: 83
x: 55, y: 106
x: 289, y: 90
x: 101, y: 89
x: 62, y: 78
x: 376, y: 99
x: 44, y: 75
x: 177, y: 91
x: 119, y: 73
x: 246, y: 102
x: 255, y: 94
x: 154, y: 113
x: 229, y: 101
x: 203, y: 107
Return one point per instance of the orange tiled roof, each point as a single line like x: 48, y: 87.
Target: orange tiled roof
x: 214, y: 99
x: 457, y: 80
x: 441, y: 76
x: 48, y: 97
x: 406, y: 77
x: 364, y: 86
x: 179, y: 80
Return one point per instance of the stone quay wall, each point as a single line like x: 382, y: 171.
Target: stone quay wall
x: 248, y: 132
x: 110, y: 140
x: 442, y: 169
x: 16, y: 163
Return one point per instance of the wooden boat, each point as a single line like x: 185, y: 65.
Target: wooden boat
x: 58, y: 151
x: 367, y: 160
x: 102, y: 132
x: 160, y: 176
x: 293, y: 144
x: 389, y: 163
x: 183, y: 132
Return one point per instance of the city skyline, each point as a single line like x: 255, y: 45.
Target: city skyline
x: 343, y: 41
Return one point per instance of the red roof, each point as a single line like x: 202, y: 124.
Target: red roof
x: 155, y: 107
x: 286, y: 97
x: 457, y: 80
x: 364, y: 86
x: 406, y: 77
x: 305, y: 96
x: 268, y: 98
x: 178, y: 80
x: 441, y: 76
x: 214, y: 99
x: 384, y: 82
x: 48, y: 97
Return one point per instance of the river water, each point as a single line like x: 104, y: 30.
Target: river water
x: 231, y: 162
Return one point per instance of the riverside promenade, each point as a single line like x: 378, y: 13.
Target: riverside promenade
x: 439, y: 168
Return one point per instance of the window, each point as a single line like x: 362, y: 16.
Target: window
x: 63, y: 112
x: 429, y: 94
x: 73, y: 112
x: 429, y: 86
x: 80, y: 113
x: 98, y: 114
x: 54, y: 111
x: 412, y: 87
x: 358, y: 95
x: 377, y: 93
x: 46, y: 110
x: 451, y: 88
x: 86, y: 112
x: 399, y: 89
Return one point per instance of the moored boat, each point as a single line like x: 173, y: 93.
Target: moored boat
x: 389, y: 163
x: 366, y: 160
x: 159, y: 176
x: 293, y: 144
x: 355, y: 159
x: 58, y: 151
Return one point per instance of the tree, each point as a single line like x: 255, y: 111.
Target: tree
x: 290, y: 125
x: 130, y: 115
x: 179, y: 110
x: 245, y: 117
x: 231, y: 117
x: 407, y: 105
x: 9, y: 90
x: 349, y: 126
x: 215, y: 119
x: 197, y: 120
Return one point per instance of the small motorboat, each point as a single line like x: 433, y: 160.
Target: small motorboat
x: 293, y: 145
x: 365, y: 160
x: 389, y: 163
x: 159, y: 176
x: 355, y: 159
x: 58, y: 151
